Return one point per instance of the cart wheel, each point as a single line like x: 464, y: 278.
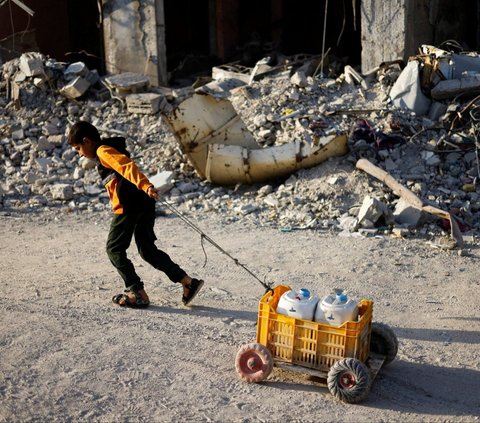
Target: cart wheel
x: 348, y: 380
x: 254, y: 362
x: 383, y: 341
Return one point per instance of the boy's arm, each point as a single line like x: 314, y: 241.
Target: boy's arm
x: 125, y: 166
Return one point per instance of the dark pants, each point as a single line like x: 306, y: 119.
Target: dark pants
x: 140, y: 225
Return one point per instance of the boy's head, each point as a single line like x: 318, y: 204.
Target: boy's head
x: 84, y: 138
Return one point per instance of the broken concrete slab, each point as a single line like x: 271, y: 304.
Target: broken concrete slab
x: 232, y: 71
x: 75, y: 69
x: 408, y: 215
x: 454, y: 87
x: 162, y: 181
x: 127, y: 83
x: 31, y: 64
x: 75, y: 88
x: 146, y: 103
x: 411, y: 197
x: 407, y: 92
x: 220, y: 88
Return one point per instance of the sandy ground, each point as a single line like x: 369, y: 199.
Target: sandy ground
x: 68, y: 354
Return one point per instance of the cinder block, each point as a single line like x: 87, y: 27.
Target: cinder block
x: 145, y: 103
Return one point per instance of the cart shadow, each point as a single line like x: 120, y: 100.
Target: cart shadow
x: 403, y: 387
x: 308, y: 384
x: 441, y: 335
x: 425, y: 388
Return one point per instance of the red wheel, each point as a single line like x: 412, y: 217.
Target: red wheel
x: 253, y: 362
x: 349, y: 380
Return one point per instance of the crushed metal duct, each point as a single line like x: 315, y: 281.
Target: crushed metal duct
x: 223, y: 151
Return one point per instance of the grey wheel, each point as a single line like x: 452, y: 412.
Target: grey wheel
x: 383, y: 341
x: 253, y: 362
x: 349, y: 380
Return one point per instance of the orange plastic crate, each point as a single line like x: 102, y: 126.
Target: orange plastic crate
x: 311, y: 344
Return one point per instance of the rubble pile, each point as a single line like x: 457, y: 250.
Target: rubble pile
x: 40, y: 99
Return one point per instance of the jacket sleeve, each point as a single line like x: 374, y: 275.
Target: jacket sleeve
x: 124, y: 165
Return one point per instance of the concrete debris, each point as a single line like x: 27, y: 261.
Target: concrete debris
x: 434, y: 157
x: 372, y: 211
x: 436, y: 74
x: 75, y: 88
x: 163, y: 181
x: 407, y: 215
x: 127, y: 83
x: 61, y: 191
x: 407, y: 91
x: 147, y: 103
x: 31, y: 64
x: 411, y: 197
x: 454, y: 87
x: 74, y: 70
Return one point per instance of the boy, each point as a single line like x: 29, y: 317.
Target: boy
x: 132, y: 197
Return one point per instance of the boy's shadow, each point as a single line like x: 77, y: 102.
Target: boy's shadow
x: 199, y: 310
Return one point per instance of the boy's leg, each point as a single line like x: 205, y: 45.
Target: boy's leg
x: 145, y: 239
x: 119, y: 238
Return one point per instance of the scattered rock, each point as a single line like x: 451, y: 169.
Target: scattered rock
x: 40, y: 168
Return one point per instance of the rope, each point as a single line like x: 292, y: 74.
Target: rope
x: 204, y: 236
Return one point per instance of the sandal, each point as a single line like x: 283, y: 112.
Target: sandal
x: 193, y: 287
x: 125, y: 300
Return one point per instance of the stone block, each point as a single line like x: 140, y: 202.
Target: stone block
x: 145, y: 103
x: 31, y: 64
x: 372, y: 210
x: 406, y: 214
x: 61, y: 191
x: 76, y: 69
x: 163, y: 181
x: 299, y: 79
x: 128, y: 83
x: 86, y: 163
x: 75, y: 88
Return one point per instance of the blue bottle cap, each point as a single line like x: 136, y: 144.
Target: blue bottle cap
x: 305, y: 293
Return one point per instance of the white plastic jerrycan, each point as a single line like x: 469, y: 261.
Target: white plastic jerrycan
x: 336, y: 309
x: 299, y: 304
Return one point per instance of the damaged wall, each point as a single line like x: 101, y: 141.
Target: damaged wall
x: 396, y: 29
x: 134, y: 38
x: 77, y: 35
x: 138, y: 34
x: 383, y: 31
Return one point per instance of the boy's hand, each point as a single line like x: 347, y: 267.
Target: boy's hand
x: 152, y: 192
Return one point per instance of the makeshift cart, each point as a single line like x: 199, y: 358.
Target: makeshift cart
x: 348, y: 357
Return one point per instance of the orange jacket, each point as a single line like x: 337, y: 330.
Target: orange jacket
x: 111, y: 158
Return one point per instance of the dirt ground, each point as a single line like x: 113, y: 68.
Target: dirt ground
x: 68, y: 354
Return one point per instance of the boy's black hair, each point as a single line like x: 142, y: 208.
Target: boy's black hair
x: 80, y: 130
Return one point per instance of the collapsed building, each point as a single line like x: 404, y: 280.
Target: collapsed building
x: 278, y: 117
x: 170, y: 40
